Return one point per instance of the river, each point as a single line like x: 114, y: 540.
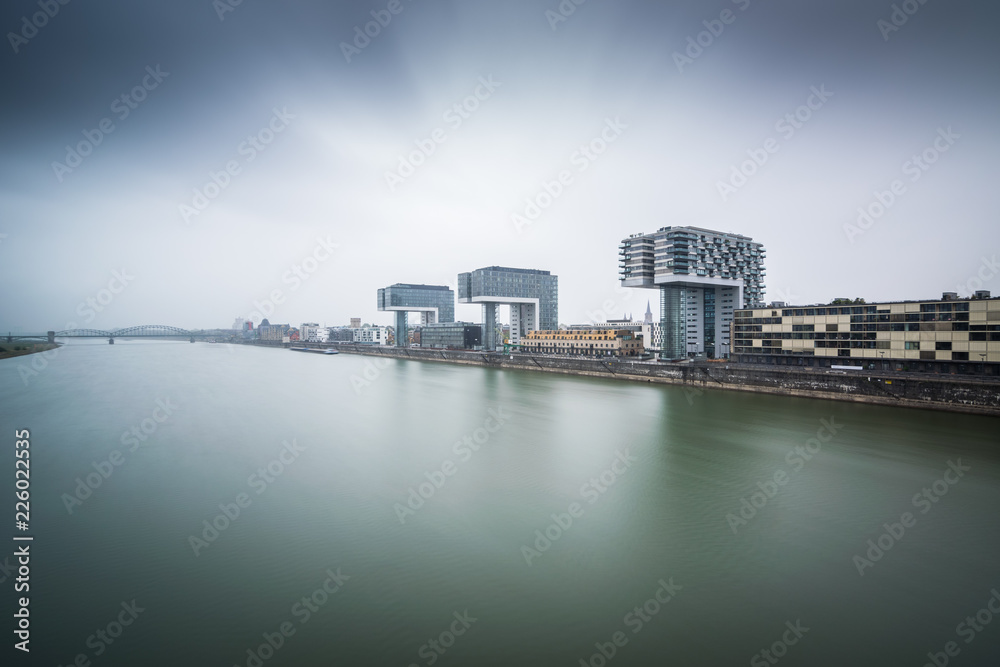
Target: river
x: 211, y: 504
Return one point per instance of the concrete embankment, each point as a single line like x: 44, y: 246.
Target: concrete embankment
x: 952, y: 393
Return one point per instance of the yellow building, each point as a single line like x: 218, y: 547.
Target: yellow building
x: 950, y: 335
x: 593, y: 343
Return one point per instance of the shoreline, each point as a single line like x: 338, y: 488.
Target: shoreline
x: 971, y: 395
x: 7, y: 350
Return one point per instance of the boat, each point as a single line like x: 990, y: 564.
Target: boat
x: 315, y: 350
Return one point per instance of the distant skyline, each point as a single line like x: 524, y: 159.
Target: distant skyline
x: 184, y: 163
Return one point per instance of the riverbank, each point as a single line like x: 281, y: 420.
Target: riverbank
x: 19, y: 349
x: 972, y: 395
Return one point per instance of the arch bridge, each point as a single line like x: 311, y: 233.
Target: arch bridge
x: 143, y: 331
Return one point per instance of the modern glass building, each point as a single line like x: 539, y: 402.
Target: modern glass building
x: 435, y: 303
x: 533, y: 297
x: 455, y: 335
x: 703, y: 277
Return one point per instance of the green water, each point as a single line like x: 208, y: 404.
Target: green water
x: 508, y: 450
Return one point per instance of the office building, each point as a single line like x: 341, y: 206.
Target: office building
x: 340, y: 335
x: 355, y: 322
x: 590, y: 343
x: 454, y: 335
x: 435, y: 303
x: 272, y: 332
x: 533, y: 297
x: 702, y: 275
x: 371, y: 335
x: 948, y: 335
x: 311, y: 332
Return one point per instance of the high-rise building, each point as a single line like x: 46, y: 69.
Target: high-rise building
x: 703, y: 276
x: 435, y: 303
x: 533, y: 297
x: 355, y: 322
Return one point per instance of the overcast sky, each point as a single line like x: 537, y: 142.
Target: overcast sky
x: 313, y: 118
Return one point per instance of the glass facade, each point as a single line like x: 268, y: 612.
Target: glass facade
x: 418, y: 298
x: 458, y: 335
x: 672, y: 318
x: 495, y: 285
x: 709, y: 321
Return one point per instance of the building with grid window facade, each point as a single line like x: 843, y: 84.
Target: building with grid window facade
x: 949, y: 335
x: 590, y: 343
x: 533, y: 297
x: 435, y: 303
x: 703, y: 277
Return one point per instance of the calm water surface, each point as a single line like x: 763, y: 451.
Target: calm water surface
x: 329, y: 450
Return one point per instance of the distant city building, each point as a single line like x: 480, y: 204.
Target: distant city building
x: 624, y: 323
x: 274, y: 332
x: 703, y: 276
x: 372, y: 335
x: 355, y: 322
x: 652, y: 337
x: 435, y: 303
x: 340, y: 335
x: 239, y: 324
x: 455, y: 335
x: 311, y: 332
x: 949, y: 335
x: 533, y: 297
x: 648, y: 319
x: 593, y: 343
